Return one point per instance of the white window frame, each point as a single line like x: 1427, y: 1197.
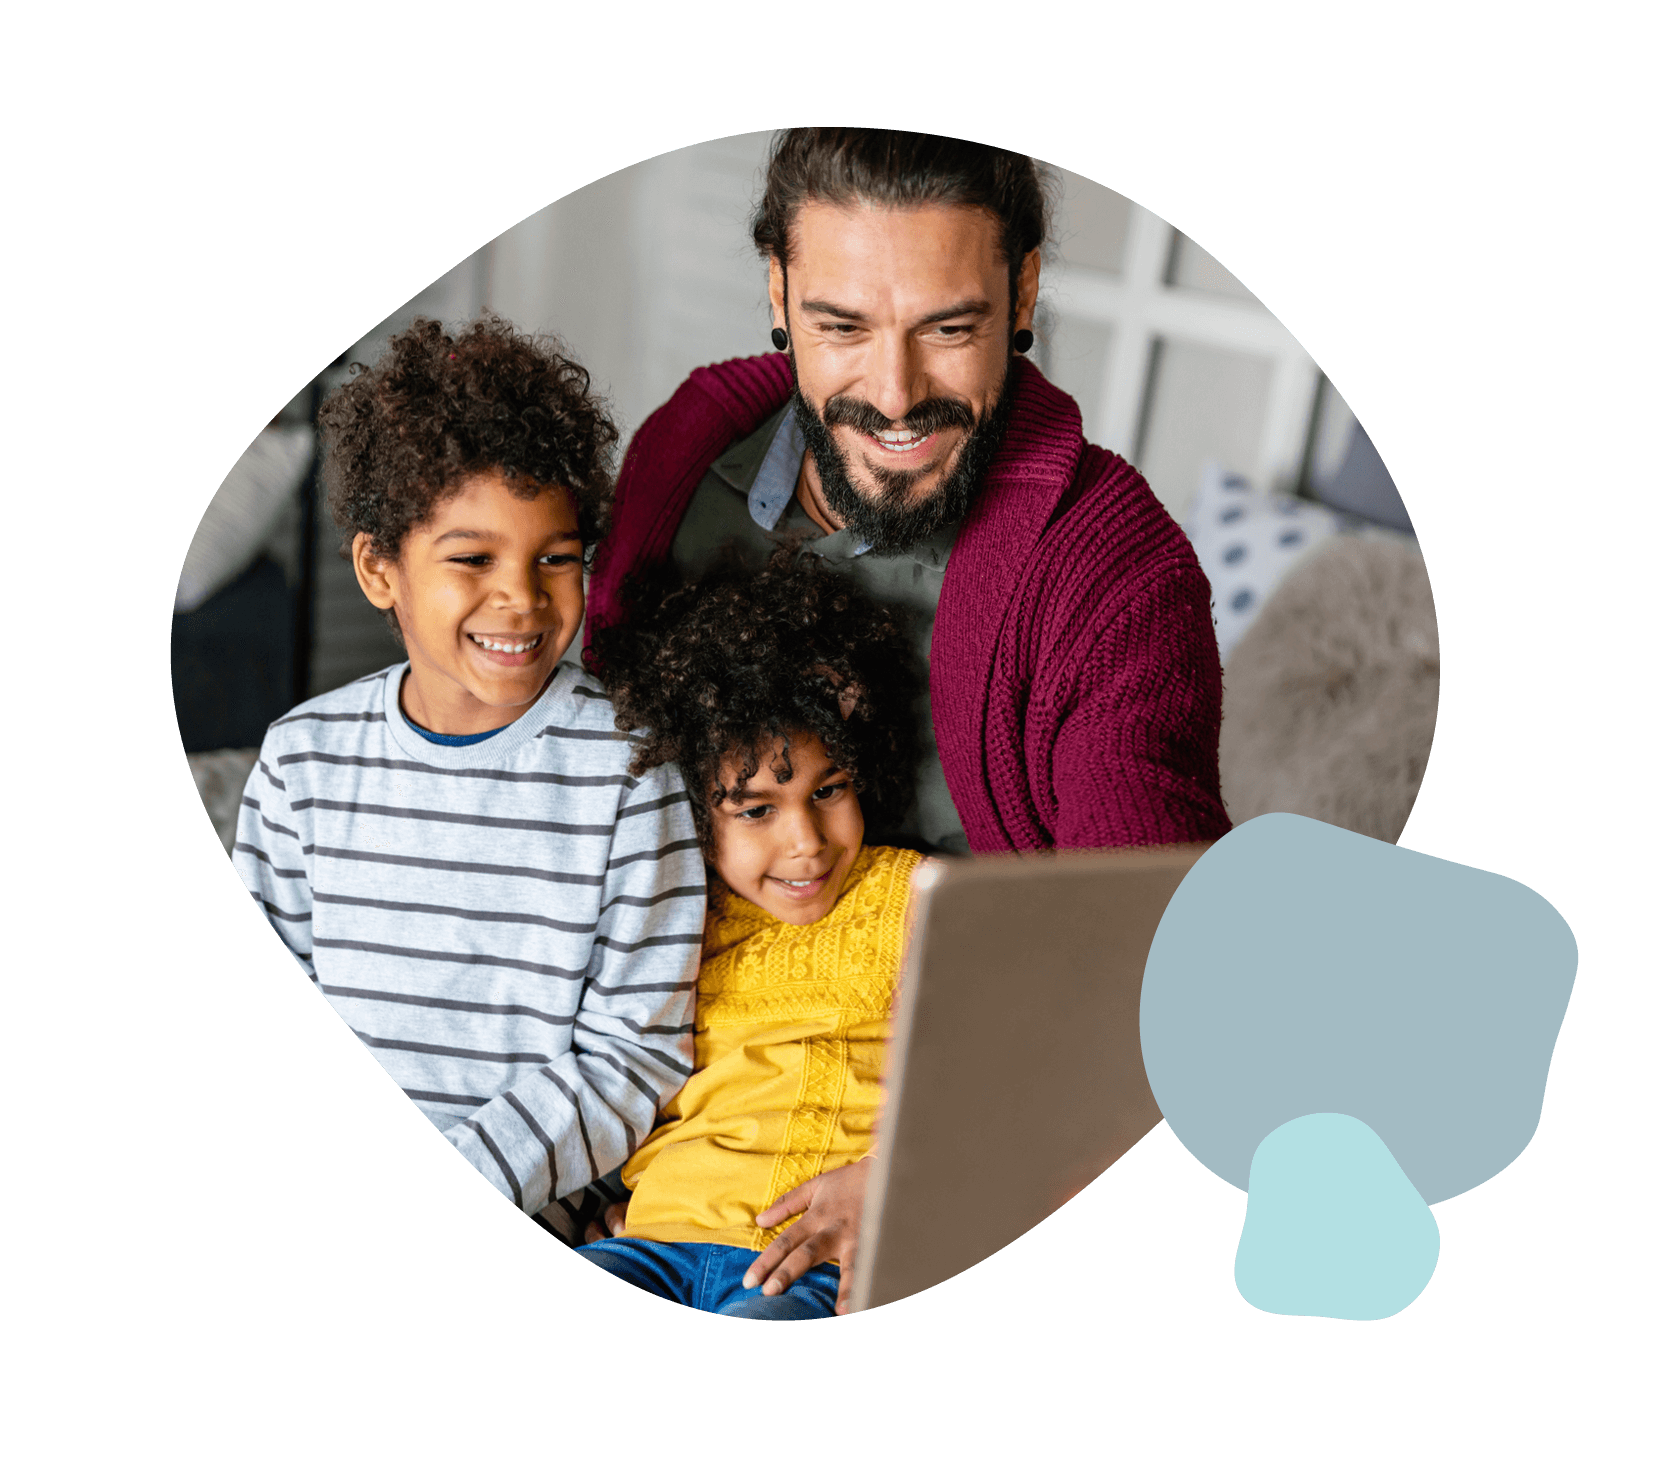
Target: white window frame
x: 1141, y: 307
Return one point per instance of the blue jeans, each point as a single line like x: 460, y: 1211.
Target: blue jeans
x: 708, y: 1278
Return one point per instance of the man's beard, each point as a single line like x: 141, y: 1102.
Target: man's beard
x: 891, y: 524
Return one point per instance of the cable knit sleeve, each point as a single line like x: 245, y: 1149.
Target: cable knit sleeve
x: 1113, y: 641
x: 1132, y: 716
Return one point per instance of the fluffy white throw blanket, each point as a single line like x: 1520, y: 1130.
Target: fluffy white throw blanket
x: 1329, y: 701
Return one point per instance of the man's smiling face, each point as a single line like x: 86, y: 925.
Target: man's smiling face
x: 901, y: 330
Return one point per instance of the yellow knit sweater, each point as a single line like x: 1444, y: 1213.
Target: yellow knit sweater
x: 791, y: 1025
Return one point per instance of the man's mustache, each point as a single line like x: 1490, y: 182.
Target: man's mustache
x: 935, y: 412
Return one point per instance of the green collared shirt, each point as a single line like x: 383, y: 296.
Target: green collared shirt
x: 746, y: 500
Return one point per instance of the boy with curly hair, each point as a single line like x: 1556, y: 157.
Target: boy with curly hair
x: 786, y: 697
x: 456, y: 848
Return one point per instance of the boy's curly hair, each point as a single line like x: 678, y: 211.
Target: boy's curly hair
x: 741, y: 661
x: 404, y: 433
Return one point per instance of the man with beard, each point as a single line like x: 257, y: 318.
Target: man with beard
x: 1075, y: 689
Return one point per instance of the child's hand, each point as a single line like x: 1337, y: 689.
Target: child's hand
x: 832, y: 1213
x: 610, y: 1220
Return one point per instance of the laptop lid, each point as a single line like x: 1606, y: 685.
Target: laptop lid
x: 1014, y: 1076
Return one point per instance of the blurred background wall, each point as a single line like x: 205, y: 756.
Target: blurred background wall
x: 650, y: 272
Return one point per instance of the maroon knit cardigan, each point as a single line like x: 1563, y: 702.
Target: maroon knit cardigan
x: 1076, y: 688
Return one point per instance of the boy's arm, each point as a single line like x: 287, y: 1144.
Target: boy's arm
x: 267, y: 855
x: 584, y: 1113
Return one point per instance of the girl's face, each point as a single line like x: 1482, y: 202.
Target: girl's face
x: 787, y: 847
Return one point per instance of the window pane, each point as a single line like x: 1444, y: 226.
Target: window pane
x: 1333, y: 431
x: 1091, y: 223
x: 1206, y: 404
x: 1190, y: 267
x: 1075, y: 352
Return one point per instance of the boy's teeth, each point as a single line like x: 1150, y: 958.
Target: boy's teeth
x: 497, y: 646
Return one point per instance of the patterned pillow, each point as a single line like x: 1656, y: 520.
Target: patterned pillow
x: 1247, y: 541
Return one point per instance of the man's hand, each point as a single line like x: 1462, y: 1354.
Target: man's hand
x: 827, y: 1231
x: 610, y: 1220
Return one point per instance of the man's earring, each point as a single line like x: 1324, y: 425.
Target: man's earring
x: 778, y: 337
x: 1022, y: 341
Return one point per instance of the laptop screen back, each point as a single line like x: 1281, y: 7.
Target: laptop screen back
x: 1015, y: 1076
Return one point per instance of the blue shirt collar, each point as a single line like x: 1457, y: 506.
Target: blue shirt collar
x: 778, y: 478
x: 455, y: 741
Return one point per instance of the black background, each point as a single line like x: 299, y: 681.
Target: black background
x: 294, y: 1168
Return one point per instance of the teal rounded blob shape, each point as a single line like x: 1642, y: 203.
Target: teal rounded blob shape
x: 1334, y: 1227
x: 1300, y: 968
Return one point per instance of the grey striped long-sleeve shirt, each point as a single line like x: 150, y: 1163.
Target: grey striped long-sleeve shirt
x: 513, y: 927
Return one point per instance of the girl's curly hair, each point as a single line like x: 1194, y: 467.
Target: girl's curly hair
x: 742, y: 661
x: 404, y: 433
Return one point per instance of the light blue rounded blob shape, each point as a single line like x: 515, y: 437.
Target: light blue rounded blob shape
x: 1301, y: 967
x: 1334, y: 1227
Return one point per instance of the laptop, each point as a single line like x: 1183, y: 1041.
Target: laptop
x: 1015, y: 1076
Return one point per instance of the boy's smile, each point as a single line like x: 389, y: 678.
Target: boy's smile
x: 786, y: 847
x: 489, y: 592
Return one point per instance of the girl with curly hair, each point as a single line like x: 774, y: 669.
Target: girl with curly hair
x: 786, y: 698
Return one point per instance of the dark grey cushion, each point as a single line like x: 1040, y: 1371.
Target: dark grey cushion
x: 1362, y: 485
